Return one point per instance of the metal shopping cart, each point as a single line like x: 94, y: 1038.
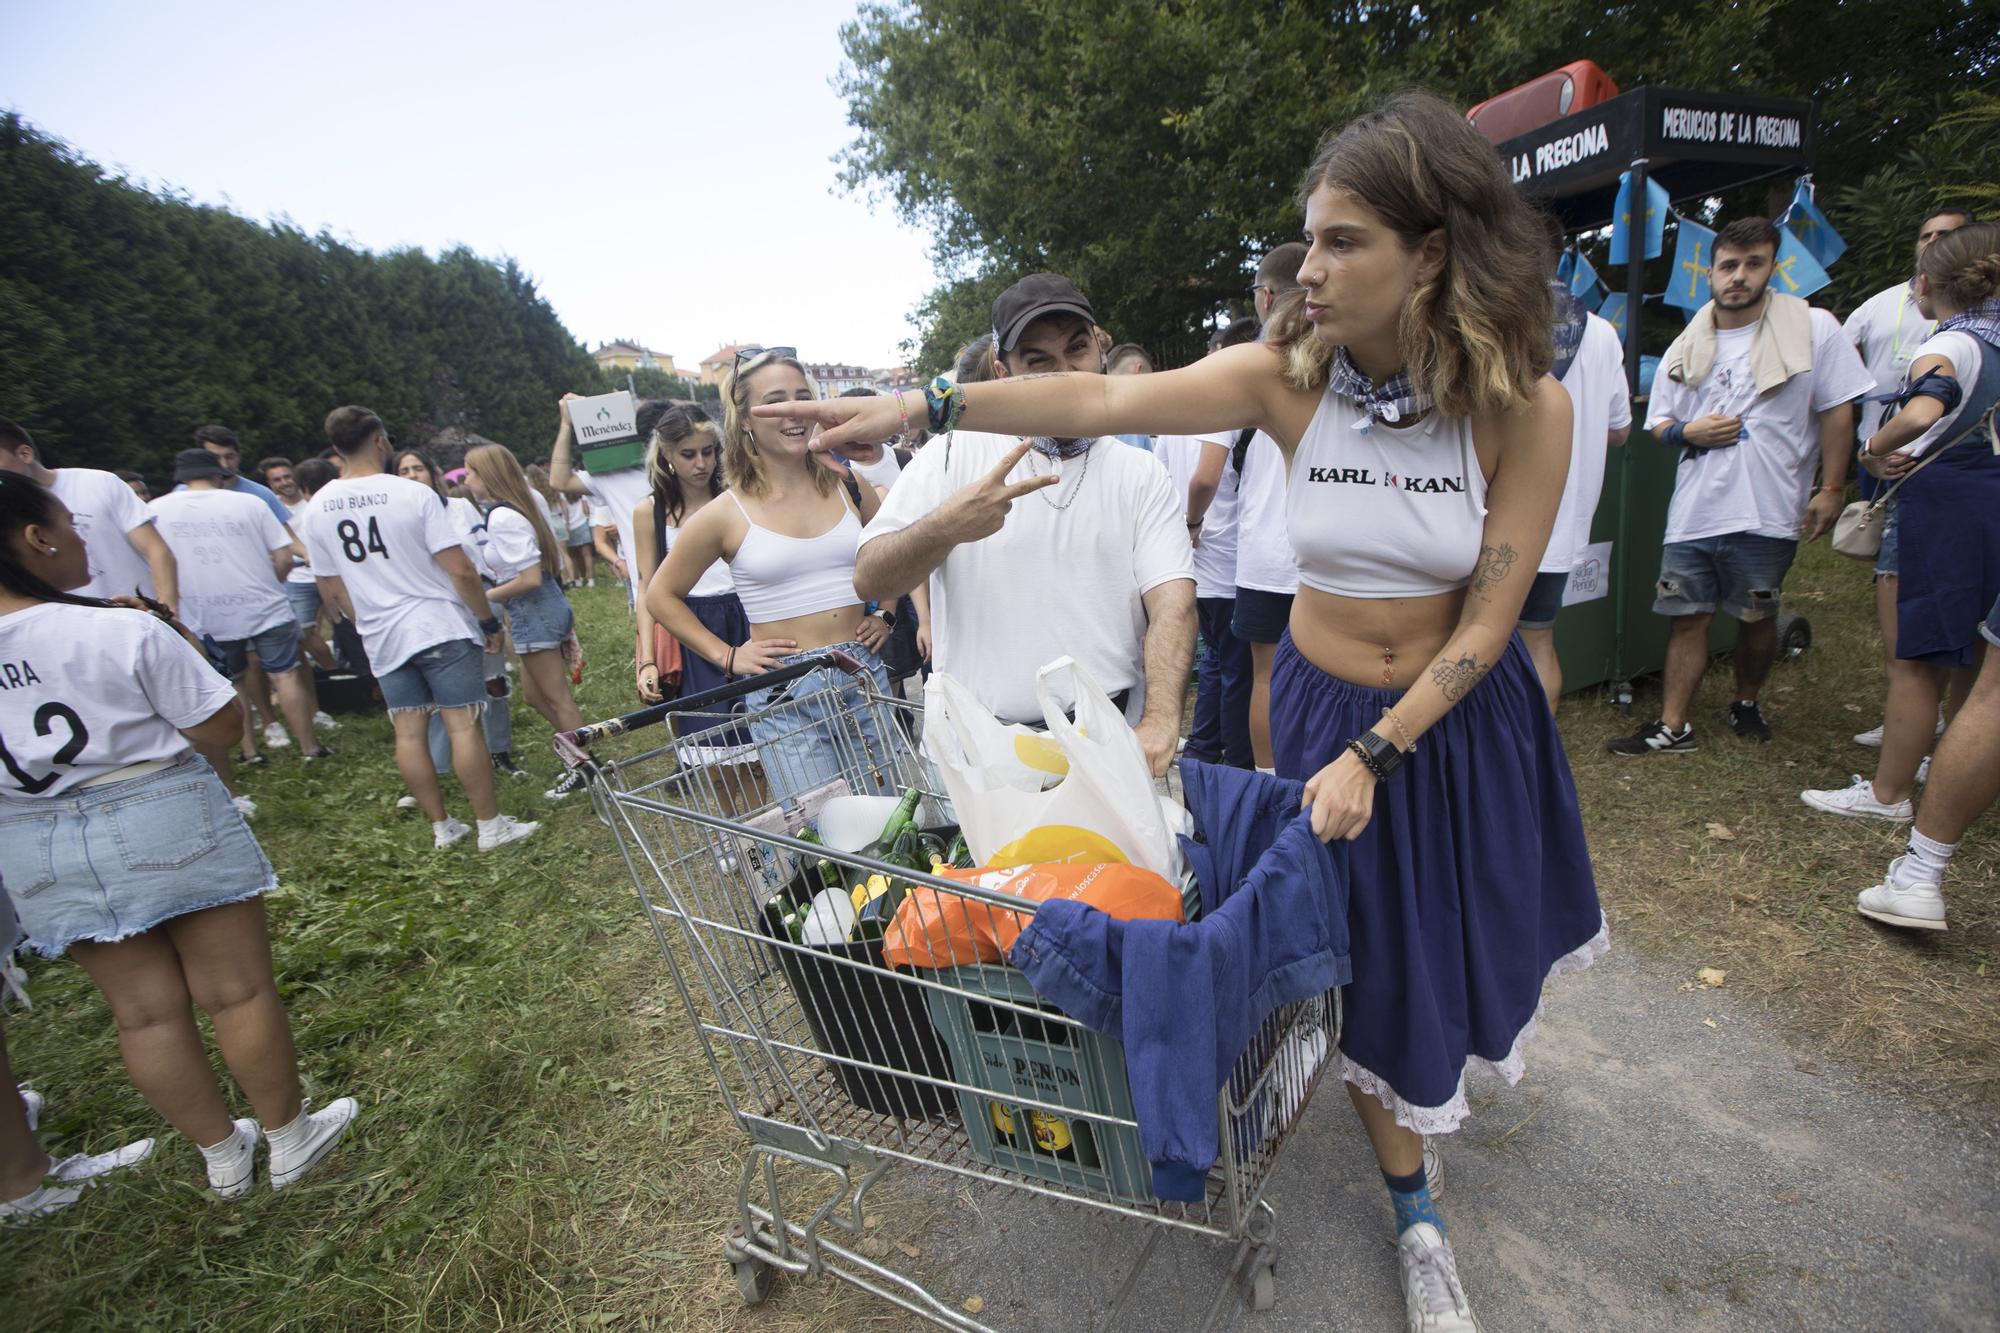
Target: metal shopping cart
x: 835, y: 1063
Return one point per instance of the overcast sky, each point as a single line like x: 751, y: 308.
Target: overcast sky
x: 663, y: 171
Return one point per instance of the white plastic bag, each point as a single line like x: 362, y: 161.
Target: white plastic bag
x: 1082, y: 791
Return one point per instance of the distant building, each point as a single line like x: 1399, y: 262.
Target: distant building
x: 833, y: 379
x: 720, y: 362
x: 624, y: 354
x: 896, y: 378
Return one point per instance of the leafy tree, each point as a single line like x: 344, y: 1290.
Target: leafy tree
x: 1151, y: 150
x: 129, y: 317
x: 652, y: 382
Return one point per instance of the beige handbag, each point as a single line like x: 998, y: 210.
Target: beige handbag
x: 1857, y: 533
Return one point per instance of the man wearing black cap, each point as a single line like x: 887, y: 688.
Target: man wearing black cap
x: 1036, y: 549
x: 233, y: 556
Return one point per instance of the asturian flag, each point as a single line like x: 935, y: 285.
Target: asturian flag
x: 1796, y: 273
x: 1814, y: 232
x: 1584, y: 284
x: 1694, y: 250
x: 1613, y: 312
x: 1658, y: 205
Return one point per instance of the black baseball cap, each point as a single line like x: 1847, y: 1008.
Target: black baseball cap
x: 196, y: 465
x: 1029, y: 299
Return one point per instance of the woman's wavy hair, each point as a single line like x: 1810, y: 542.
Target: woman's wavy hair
x: 739, y: 453
x: 1477, y: 336
x: 675, y: 425
x: 500, y: 473
x: 25, y: 503
x: 1963, y: 266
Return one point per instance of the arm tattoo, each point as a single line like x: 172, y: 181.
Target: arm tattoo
x: 1455, y: 679
x: 1495, y: 563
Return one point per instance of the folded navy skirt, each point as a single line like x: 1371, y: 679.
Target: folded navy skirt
x: 1469, y: 887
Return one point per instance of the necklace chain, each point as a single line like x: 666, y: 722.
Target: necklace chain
x: 1043, y: 494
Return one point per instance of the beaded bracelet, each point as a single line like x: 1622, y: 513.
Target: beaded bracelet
x: 900, y: 407
x: 1360, y: 752
x: 1401, y: 730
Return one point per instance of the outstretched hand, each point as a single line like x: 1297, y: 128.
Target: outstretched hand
x: 848, y: 425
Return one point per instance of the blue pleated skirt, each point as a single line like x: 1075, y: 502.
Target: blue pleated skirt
x: 1469, y: 887
x: 721, y: 615
x: 1948, y: 556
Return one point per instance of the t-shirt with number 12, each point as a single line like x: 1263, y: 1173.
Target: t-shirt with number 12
x: 379, y: 535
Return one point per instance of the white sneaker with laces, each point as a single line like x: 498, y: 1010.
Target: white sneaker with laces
x: 406, y: 802
x: 274, y: 735
x: 325, y: 722
x: 66, y: 1181
x: 1857, y: 800
x: 451, y: 831
x: 1915, y: 904
x: 244, y: 806
x: 299, y: 1146
x: 232, y: 1163
x: 1433, y: 1300
x: 82, y: 1169
x: 502, y: 830
x: 1872, y: 738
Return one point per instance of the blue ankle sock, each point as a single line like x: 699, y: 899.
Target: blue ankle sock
x: 1411, y: 1195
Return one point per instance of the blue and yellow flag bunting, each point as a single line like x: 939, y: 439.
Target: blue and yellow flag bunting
x: 1658, y: 205
x: 1810, y: 226
x: 1584, y: 283
x: 1797, y: 272
x: 1694, y: 249
x: 1613, y: 312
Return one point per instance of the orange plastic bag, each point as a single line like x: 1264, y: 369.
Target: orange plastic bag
x: 934, y: 928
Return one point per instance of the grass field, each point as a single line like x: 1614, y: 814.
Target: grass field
x: 541, y: 1145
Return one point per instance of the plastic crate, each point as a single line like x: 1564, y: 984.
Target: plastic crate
x: 1014, y: 1056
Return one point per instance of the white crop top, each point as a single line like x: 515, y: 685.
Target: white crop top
x: 779, y: 577
x: 1385, y: 511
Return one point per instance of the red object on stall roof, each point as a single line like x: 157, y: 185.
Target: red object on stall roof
x: 1560, y: 92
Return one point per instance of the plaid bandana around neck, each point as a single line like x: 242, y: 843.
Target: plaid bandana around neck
x: 1982, y: 321
x: 1060, y: 449
x: 1396, y: 400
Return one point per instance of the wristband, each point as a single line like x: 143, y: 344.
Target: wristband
x: 882, y: 472
x: 1674, y: 436
x: 1378, y: 755
x: 902, y: 408
x: 490, y: 625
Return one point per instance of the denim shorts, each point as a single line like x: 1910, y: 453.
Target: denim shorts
x: 1991, y: 629
x: 108, y: 862
x: 1741, y: 573
x: 540, y: 618
x: 304, y: 598
x: 1885, y: 559
x: 1261, y: 617
x: 451, y: 674
x: 277, y: 648
x: 817, y: 728
x: 1545, y: 599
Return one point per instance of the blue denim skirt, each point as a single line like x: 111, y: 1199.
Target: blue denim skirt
x: 1469, y: 887
x: 818, y: 728
x: 540, y: 618
x: 108, y: 862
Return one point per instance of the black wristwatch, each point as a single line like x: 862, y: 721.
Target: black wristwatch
x: 1381, y: 757
x: 490, y: 625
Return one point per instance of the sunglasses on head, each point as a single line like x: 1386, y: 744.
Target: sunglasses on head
x: 752, y: 353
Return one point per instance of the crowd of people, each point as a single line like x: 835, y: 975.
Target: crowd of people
x: 1363, y: 508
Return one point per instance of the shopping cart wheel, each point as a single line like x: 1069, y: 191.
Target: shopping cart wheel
x: 1794, y: 636
x: 753, y: 1280
x: 1263, y: 1288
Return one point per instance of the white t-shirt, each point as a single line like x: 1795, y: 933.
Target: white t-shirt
x: 1886, y: 329
x: 1761, y: 484
x: 379, y: 535
x: 1967, y: 356
x: 576, y: 513
x: 470, y: 525
x: 1215, y: 558
x: 1050, y: 582
x: 86, y: 690
x: 104, y: 509
x: 511, y: 547
x: 1600, y: 404
x: 613, y: 497
x: 1265, y: 560
x: 222, y: 541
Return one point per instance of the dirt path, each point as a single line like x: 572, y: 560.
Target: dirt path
x: 1670, y: 1161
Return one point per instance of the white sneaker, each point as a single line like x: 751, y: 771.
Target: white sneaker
x: 82, y: 1170
x: 503, y: 830
x: 1872, y: 738
x: 1857, y: 801
x: 71, y: 1177
x: 325, y: 722
x: 32, y: 1102
x: 244, y: 806
x: 452, y: 830
x: 232, y: 1163
x: 1433, y: 1300
x: 1924, y: 770
x: 274, y: 735
x: 406, y: 802
x: 1913, y: 903
x: 299, y: 1146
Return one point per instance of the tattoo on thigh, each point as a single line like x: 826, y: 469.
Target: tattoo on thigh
x: 1495, y: 563
x: 1454, y: 679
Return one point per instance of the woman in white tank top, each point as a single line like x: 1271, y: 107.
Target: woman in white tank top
x: 1407, y: 384
x: 788, y: 531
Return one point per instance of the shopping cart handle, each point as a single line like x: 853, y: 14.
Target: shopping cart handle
x: 574, y: 746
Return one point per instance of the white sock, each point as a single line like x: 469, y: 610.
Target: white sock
x: 491, y: 825
x: 1268, y: 772
x: 281, y: 1138
x: 220, y: 1152
x: 441, y: 825
x: 1928, y: 858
